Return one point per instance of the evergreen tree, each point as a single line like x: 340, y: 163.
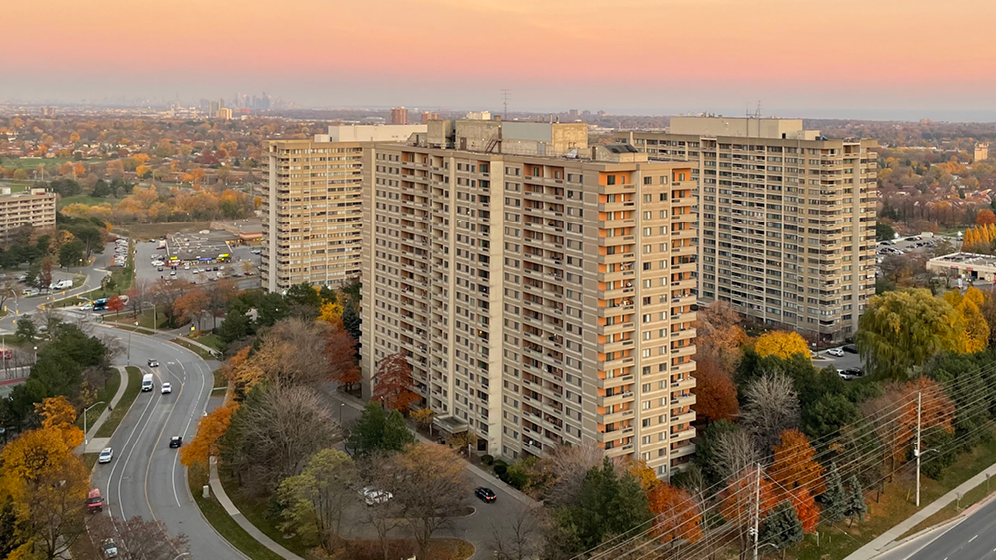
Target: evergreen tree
x: 379, y: 429
x: 781, y: 528
x: 856, y: 506
x: 351, y: 320
x: 835, y: 499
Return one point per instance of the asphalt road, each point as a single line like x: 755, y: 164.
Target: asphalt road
x: 974, y: 538
x: 145, y: 477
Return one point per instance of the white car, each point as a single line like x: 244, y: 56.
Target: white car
x: 167, y: 388
x: 186, y: 266
x: 836, y: 352
x: 106, y: 454
x: 373, y: 496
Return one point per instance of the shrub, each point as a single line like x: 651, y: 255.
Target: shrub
x: 487, y: 459
x: 500, y: 469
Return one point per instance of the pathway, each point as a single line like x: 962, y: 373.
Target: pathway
x: 886, y: 540
x: 95, y: 444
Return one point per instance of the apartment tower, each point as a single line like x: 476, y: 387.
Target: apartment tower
x: 398, y: 115
x: 787, y: 218
x: 542, y: 290
x: 311, y: 205
x: 35, y: 208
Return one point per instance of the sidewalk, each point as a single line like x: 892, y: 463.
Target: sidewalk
x: 94, y: 445
x: 358, y: 404
x: 886, y: 539
x: 230, y: 509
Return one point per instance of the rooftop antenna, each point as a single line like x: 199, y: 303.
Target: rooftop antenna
x: 504, y: 97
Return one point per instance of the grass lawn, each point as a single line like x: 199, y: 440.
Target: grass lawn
x: 106, y: 394
x: 219, y: 380
x: 212, y: 340
x: 31, y: 162
x: 118, y: 414
x: 972, y: 497
x: 895, y: 504
x: 197, y: 476
x: 90, y: 459
x: 87, y: 200
x: 194, y: 348
x: 254, y: 510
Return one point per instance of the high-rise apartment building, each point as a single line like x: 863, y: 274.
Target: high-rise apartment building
x: 399, y: 115
x: 981, y: 152
x: 35, y: 208
x: 311, y: 205
x: 786, y: 218
x: 540, y: 299
x: 429, y: 116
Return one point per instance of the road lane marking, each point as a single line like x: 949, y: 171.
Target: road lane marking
x: 148, y: 466
x: 148, y: 420
x: 176, y: 457
x: 973, y: 538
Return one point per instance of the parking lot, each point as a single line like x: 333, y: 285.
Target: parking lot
x: 913, y: 243
x: 198, y: 258
x: 849, y: 360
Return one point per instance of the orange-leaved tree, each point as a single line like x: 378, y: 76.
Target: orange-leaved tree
x: 782, y: 344
x: 395, y: 386
x: 340, y: 349
x: 901, y: 399
x: 193, y: 304
x: 59, y: 414
x: 209, y: 430
x: 985, y: 217
x: 115, y: 304
x: 715, y: 393
x: 677, y: 514
x: 794, y: 465
x: 806, y: 507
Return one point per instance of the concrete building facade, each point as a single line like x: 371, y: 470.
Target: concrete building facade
x: 311, y: 205
x: 35, y: 208
x: 540, y: 300
x: 787, y: 218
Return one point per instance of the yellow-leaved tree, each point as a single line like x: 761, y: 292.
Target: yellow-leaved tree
x: 59, y: 414
x: 782, y: 344
x: 973, y: 330
x: 209, y: 430
x: 330, y: 313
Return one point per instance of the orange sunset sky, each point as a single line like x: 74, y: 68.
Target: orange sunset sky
x: 860, y: 57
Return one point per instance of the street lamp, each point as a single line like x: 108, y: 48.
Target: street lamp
x: 85, y: 439
x: 341, y: 404
x: 36, y: 353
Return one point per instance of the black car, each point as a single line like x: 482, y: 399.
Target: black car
x: 175, y: 441
x: 485, y: 494
x: 851, y: 348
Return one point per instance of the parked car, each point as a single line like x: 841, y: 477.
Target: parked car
x: 836, y: 352
x: 850, y: 348
x: 372, y: 496
x: 109, y: 548
x: 167, y: 388
x: 106, y: 454
x: 486, y: 495
x: 850, y: 374
x: 175, y: 442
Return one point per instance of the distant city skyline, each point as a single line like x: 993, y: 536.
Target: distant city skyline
x: 669, y: 56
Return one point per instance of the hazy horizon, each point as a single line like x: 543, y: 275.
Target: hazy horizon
x: 636, y: 57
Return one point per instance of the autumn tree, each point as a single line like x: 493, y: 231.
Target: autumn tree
x: 166, y: 293
x: 715, y: 393
x: 794, y: 465
x: 424, y: 417
x: 901, y: 330
x: 340, y: 350
x: 48, y: 484
x: 567, y: 466
x: 427, y: 480
x: 901, y: 399
x: 210, y: 429
x: 782, y: 344
x: 192, y: 305
x: 139, y: 295
x: 59, y: 414
x: 315, y: 500
x: 394, y: 385
x: 718, y: 334
x: 330, y: 312
x: 136, y: 539
x: 973, y: 331
x: 677, y: 515
x: 985, y: 217
x: 115, y: 304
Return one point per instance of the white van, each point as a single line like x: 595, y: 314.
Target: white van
x: 147, y: 382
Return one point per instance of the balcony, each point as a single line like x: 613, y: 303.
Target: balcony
x: 616, y: 206
x: 682, y: 451
x: 617, y: 416
x: 619, y: 451
x: 687, y: 433
x: 612, y: 382
x: 685, y: 418
x: 683, y: 384
x: 686, y: 400
x: 613, y: 400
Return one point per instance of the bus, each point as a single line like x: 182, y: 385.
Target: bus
x: 100, y: 304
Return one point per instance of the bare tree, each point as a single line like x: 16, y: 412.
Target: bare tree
x: 297, y: 345
x: 384, y: 518
x: 136, y: 539
x: 568, y: 465
x: 772, y: 406
x: 139, y: 295
x: 518, y: 538
x: 735, y: 451
x: 8, y: 287
x: 429, y: 484
x: 274, y: 432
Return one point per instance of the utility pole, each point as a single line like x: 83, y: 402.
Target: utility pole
x: 916, y: 450
x: 757, y: 509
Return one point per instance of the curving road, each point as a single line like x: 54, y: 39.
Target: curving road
x: 145, y: 477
